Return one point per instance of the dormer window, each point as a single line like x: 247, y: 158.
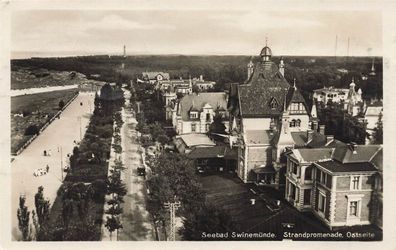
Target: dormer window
x: 193, y: 114
x: 273, y: 103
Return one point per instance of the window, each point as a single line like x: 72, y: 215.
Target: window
x: 353, y: 208
x: 292, y: 124
x: 355, y: 182
x: 298, y: 123
x: 273, y: 103
x: 321, y: 202
x: 207, y: 116
x: 293, y: 167
x: 307, y: 196
x: 193, y: 115
x: 308, y: 173
x: 323, y: 177
x: 193, y: 127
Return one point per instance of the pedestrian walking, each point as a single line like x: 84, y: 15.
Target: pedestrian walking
x: 45, y: 152
x: 47, y: 168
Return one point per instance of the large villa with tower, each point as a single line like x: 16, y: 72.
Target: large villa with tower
x: 270, y: 115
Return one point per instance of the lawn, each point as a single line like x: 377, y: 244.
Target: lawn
x: 34, y: 109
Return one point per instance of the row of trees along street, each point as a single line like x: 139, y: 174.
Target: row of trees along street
x: 173, y: 177
x: 116, y: 188
x: 76, y: 213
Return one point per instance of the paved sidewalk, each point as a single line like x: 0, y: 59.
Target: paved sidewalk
x: 59, y: 134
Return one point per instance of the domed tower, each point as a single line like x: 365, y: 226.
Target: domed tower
x: 250, y: 68
x: 266, y: 54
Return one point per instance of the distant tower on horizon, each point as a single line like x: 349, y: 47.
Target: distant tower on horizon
x: 124, y: 55
x: 335, y: 49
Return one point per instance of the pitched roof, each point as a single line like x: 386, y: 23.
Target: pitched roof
x: 338, y: 167
x: 153, y: 75
x: 373, y: 110
x: 265, y: 84
x: 318, y: 140
x: 217, y: 100
x: 259, y: 137
x: 308, y: 155
x: 207, y: 152
x: 213, y: 152
x: 362, y: 153
x: 192, y: 140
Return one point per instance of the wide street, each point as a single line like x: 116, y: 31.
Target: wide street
x: 58, y: 138
x: 135, y: 218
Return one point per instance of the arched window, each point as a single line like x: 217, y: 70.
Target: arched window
x: 273, y: 103
x: 298, y: 123
x: 292, y: 124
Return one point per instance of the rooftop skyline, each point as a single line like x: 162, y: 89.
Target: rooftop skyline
x: 194, y: 32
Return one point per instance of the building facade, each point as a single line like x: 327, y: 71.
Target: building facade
x: 194, y: 113
x: 266, y: 111
x: 341, y: 186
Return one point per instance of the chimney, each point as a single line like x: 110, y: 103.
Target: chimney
x: 322, y: 129
x: 309, y: 135
x: 314, y: 125
x: 329, y: 138
x: 201, y: 78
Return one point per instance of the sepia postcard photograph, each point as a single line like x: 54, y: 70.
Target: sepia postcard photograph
x: 239, y: 121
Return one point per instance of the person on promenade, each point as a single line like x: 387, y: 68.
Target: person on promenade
x: 47, y: 168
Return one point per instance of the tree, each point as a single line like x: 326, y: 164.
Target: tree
x: 115, y: 186
x: 217, y: 125
x: 378, y: 131
x: 209, y: 219
x: 61, y: 104
x: 23, y: 215
x: 112, y: 224
x: 32, y: 130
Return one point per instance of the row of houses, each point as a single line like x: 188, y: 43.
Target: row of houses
x: 280, y: 143
x: 277, y: 141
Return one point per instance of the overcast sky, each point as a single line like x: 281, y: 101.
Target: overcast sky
x: 72, y: 32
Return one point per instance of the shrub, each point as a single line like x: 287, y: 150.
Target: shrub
x: 32, y: 130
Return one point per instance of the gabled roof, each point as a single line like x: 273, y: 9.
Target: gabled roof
x: 218, y: 100
x: 309, y: 155
x: 265, y: 84
x: 362, y: 153
x: 318, y: 140
x: 153, y: 75
x: 259, y: 137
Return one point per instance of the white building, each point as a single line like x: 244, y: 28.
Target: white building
x: 194, y: 112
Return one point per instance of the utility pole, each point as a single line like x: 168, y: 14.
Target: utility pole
x: 347, y: 52
x: 172, y: 207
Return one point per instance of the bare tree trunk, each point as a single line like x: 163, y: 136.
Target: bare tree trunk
x: 164, y: 227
